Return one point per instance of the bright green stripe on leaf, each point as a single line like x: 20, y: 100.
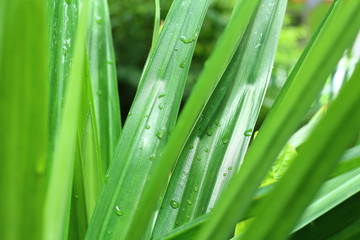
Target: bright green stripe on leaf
x: 57, y: 205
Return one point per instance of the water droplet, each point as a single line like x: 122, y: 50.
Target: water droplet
x: 209, y: 131
x: 196, y: 189
x: 98, y: 19
x: 152, y: 157
x: 106, y: 180
x: 248, y: 132
x: 224, y: 174
x: 147, y: 127
x: 198, y: 157
x: 161, y: 106
x: 189, y: 202
x: 174, y: 204
x: 258, y: 45
x: 229, y: 168
x: 118, y: 211
x: 177, y: 223
x: 217, y: 123
x: 130, y: 113
x: 186, y: 40
x: 162, y: 95
x: 225, y: 140
x: 160, y: 134
x: 191, y: 146
x: 188, y: 217
x: 206, y: 150
x: 76, y: 196
x: 99, y: 92
x: 182, y: 64
x: 176, y: 49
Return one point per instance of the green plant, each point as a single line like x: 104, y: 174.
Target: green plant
x: 70, y: 171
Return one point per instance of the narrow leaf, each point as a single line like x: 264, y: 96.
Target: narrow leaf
x: 219, y: 140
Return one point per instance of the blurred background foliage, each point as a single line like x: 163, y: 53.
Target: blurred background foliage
x: 132, y: 25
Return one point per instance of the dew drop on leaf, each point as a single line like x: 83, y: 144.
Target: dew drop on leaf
x: 248, y: 132
x: 186, y: 40
x: 106, y: 180
x: 189, y: 202
x: 209, y: 131
x: 225, y: 140
x: 147, y: 127
x: 196, y: 189
x: 118, y: 211
x: 162, y: 95
x: 98, y: 19
x: 217, y: 123
x: 174, y: 204
x: 206, y: 150
x: 160, y: 134
x: 182, y: 64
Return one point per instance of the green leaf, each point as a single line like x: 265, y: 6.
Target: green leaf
x: 341, y: 222
x: 57, y: 205
x: 104, y: 80
x: 281, y: 165
x: 349, y: 161
x: 151, y: 118
x: 314, y: 163
x: 63, y: 20
x: 332, y: 193
x: 210, y: 76
x: 23, y: 121
x: 219, y: 140
x: 305, y: 83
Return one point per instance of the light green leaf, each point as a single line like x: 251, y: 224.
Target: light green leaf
x: 219, y: 140
x: 314, y: 163
x: 305, y: 83
x: 210, y: 76
x: 23, y: 120
x: 61, y: 175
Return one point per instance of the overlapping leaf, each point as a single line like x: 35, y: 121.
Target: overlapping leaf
x: 150, y: 120
x: 304, y: 85
x: 220, y: 138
